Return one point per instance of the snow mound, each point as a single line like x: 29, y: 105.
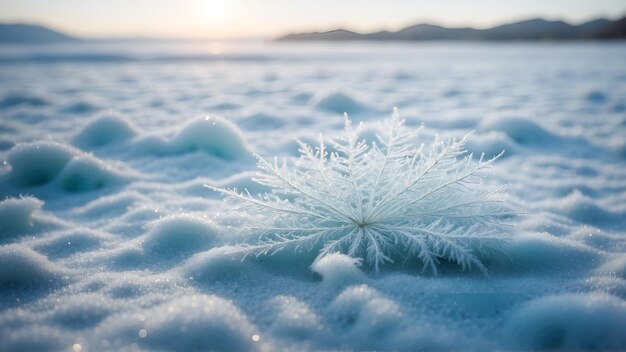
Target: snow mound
x: 522, y: 131
x: 118, y: 203
x: 614, y: 267
x: 338, y: 270
x: 544, y: 253
x: 189, y: 323
x: 580, y: 208
x: 125, y: 258
x: 216, y: 264
x: 366, y: 315
x: 69, y: 169
x: 133, y: 284
x: 596, y: 97
x: 6, y: 145
x: 179, y: 236
x: 570, y: 322
x: 104, y: 130
x: 301, y: 98
x: 491, y: 144
x: 84, y: 310
x: 16, y: 216
x: 339, y: 102
x: 226, y: 105
x: 403, y: 76
x: 213, y: 135
x: 16, y: 99
x: 67, y: 243
x: 292, y: 318
x: 618, y: 149
x: 80, y: 108
x: 37, y: 163
x: 261, y: 122
x: 86, y: 173
x: 23, y: 268
x: 34, y: 338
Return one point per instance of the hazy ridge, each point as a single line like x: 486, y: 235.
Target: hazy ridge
x: 533, y: 29
x: 26, y: 33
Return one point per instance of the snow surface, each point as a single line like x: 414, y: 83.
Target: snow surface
x: 108, y: 237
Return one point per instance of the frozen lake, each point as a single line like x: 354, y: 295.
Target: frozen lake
x: 98, y: 140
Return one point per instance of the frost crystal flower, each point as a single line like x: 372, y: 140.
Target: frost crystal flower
x: 384, y: 202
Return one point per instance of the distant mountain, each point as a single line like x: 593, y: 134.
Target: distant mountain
x: 592, y: 29
x: 426, y: 31
x: 25, y: 33
x: 533, y: 29
x: 615, y: 30
x: 338, y: 34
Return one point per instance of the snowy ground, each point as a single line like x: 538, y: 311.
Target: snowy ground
x: 98, y: 141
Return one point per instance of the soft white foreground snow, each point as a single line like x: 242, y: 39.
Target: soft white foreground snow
x: 95, y: 149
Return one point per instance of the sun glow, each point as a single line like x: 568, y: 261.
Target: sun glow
x: 215, y: 10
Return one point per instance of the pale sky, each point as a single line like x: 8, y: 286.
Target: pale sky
x: 268, y: 18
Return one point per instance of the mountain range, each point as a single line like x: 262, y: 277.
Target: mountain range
x: 533, y: 29
x: 26, y: 33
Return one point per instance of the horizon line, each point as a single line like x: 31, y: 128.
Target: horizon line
x: 304, y: 31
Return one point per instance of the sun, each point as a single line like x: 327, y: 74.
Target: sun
x: 215, y: 10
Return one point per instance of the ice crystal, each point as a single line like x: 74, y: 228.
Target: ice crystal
x: 385, y: 202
